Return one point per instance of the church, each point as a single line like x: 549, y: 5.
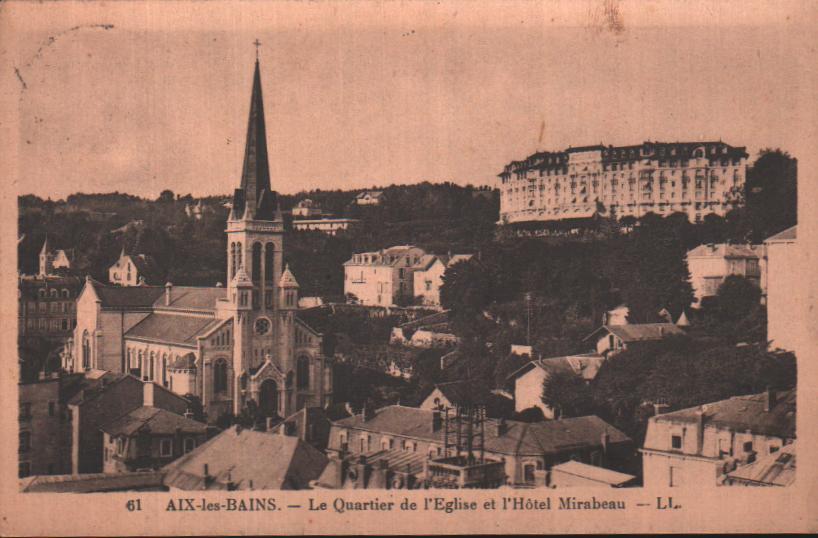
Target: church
x: 225, y: 345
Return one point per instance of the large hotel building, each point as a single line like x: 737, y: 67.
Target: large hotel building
x: 696, y: 178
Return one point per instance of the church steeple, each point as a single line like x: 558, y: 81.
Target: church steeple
x: 254, y: 200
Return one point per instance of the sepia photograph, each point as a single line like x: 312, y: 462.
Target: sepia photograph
x: 554, y: 256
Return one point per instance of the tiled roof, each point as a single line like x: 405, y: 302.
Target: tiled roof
x: 457, y: 258
x: 547, y: 437
x: 93, y: 482
x: 790, y: 234
x: 592, y: 472
x: 172, y: 328
x: 585, y: 365
x: 640, y: 332
x: 744, y: 413
x: 725, y: 250
x: 776, y: 469
x: 128, y: 296
x: 250, y: 460
x: 156, y: 420
x: 192, y: 297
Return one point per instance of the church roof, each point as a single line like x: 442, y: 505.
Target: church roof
x: 172, y: 328
x: 255, y: 199
x: 192, y: 298
x: 126, y: 297
x: 287, y: 279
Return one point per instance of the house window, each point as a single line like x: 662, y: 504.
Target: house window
x: 748, y: 446
x: 528, y: 472
x: 165, y: 447
x: 190, y: 444
x: 120, y: 446
x: 220, y: 376
x: 676, y: 442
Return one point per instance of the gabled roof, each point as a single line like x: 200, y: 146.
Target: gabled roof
x: 519, y: 438
x: 172, y: 328
x: 790, y: 234
x: 192, y: 297
x: 248, y: 459
x: 154, y: 420
x: 743, y: 413
x: 119, y: 297
x: 287, y: 279
x: 639, y: 332
x: 585, y: 365
x: 93, y: 482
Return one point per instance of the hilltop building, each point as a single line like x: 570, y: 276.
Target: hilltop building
x: 695, y: 178
x: 327, y: 225
x: 52, y: 260
x: 611, y: 339
x: 710, y: 264
x: 429, y: 278
x: 384, y: 277
x: 133, y: 270
x: 369, y: 198
x: 306, y: 208
x: 225, y: 345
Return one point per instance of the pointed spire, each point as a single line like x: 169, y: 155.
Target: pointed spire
x: 287, y: 279
x: 45, y: 248
x: 255, y: 175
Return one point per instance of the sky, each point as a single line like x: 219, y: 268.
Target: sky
x: 145, y: 97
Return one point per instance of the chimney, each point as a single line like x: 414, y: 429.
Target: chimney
x: 206, y: 471
x: 188, y: 414
x: 659, y: 408
x: 699, y: 429
x: 604, y: 440
x: 367, y: 412
x: 501, y: 427
x: 769, y: 399
x: 147, y: 393
x: 269, y: 424
x: 661, y: 331
x: 168, y: 288
x: 437, y: 420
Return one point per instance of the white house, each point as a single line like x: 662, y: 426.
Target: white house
x: 307, y: 208
x: 132, y: 270
x: 369, y: 198
x: 528, y: 380
x: 327, y: 226
x: 710, y: 264
x: 383, y: 277
x: 429, y: 278
x: 784, y: 298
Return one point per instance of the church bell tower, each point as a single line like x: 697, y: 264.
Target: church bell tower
x: 255, y: 242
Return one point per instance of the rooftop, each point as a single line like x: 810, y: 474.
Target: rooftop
x: 592, y: 472
x: 128, y: 296
x: 172, y: 328
x: 548, y: 437
x: 153, y: 420
x: 776, y: 469
x: 726, y: 250
x: 192, y: 298
x: 744, y: 413
x: 586, y: 365
x: 249, y: 460
x: 790, y: 234
x: 640, y: 332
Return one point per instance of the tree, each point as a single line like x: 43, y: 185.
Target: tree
x: 567, y: 394
x: 166, y: 197
x: 467, y: 290
x: 736, y: 298
x: 771, y: 193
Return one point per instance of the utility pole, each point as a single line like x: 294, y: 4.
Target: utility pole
x: 528, y: 314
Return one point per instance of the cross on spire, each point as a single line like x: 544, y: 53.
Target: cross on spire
x: 257, y: 43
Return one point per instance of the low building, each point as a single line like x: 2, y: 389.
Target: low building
x: 369, y: 198
x: 47, y: 308
x: 523, y: 447
x: 699, y: 445
x: 241, y: 459
x: 784, y: 300
x: 133, y: 270
x: 576, y: 474
x: 384, y: 277
x: 528, y: 380
x: 498, y: 403
x: 105, y: 398
x: 710, y: 264
x: 611, y: 339
x: 148, y: 437
x: 429, y: 277
x: 328, y: 226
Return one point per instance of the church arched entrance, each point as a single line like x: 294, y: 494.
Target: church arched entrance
x: 268, y: 398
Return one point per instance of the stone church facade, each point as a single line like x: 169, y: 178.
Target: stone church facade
x: 225, y: 345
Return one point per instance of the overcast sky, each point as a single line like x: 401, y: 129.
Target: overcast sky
x: 380, y: 93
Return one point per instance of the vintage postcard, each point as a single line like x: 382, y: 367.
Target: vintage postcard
x: 413, y: 267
